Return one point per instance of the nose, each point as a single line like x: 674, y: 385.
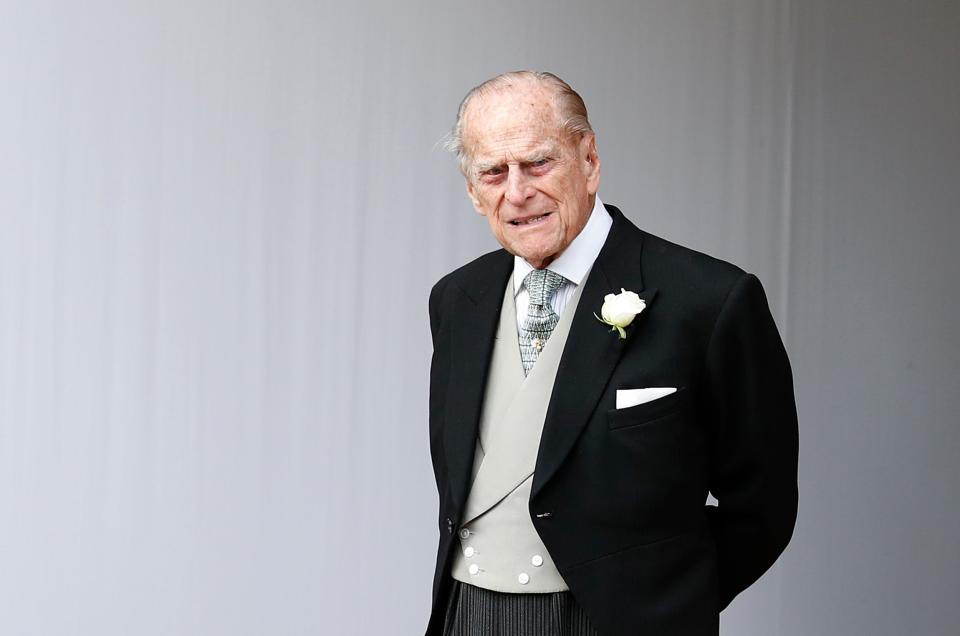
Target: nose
x: 519, y: 188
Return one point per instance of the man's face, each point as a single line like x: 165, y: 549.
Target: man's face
x: 533, y: 182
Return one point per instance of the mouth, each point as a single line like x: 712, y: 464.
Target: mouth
x: 531, y: 220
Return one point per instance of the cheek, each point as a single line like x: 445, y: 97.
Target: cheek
x: 488, y: 204
x: 495, y: 226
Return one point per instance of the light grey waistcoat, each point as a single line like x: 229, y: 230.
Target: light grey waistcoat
x: 499, y: 546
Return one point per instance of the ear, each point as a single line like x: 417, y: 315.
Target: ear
x: 591, y: 162
x: 473, y: 196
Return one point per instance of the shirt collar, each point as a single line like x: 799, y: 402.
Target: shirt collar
x: 575, y: 261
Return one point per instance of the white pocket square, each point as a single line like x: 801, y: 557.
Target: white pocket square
x: 632, y: 397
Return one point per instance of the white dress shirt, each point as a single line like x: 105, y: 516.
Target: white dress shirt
x: 573, y: 263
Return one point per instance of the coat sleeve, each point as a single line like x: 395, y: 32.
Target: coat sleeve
x: 439, y: 372
x: 753, y: 470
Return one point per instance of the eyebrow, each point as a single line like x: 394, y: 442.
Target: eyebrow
x: 543, y: 152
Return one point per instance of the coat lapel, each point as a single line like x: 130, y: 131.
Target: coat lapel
x: 592, y: 350
x: 477, y: 313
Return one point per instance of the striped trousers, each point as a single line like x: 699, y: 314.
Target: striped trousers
x: 475, y: 611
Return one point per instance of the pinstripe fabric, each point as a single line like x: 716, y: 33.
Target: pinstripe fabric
x: 474, y: 611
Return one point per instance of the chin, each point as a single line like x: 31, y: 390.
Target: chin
x: 539, y: 257
x: 547, y: 254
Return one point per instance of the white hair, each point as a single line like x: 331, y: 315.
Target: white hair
x: 569, y: 105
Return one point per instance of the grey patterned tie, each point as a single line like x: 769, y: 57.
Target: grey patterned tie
x: 541, y: 285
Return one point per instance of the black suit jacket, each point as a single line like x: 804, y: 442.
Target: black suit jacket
x: 618, y: 496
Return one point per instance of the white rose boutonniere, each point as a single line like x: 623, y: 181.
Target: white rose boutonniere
x: 619, y: 310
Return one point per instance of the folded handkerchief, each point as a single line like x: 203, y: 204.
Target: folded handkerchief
x: 632, y: 397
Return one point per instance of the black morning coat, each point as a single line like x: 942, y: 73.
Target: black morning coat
x: 619, y: 496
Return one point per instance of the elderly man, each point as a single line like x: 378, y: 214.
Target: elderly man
x: 590, y: 385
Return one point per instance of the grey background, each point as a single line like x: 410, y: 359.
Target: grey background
x: 219, y: 222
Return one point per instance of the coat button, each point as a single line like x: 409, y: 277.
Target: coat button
x: 469, y: 551
x: 449, y: 525
x: 464, y: 533
x: 524, y: 578
x: 474, y: 569
x: 537, y: 560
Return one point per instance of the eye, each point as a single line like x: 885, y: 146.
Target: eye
x: 492, y: 172
x: 540, y: 166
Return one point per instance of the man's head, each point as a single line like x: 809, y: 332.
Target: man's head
x: 529, y: 156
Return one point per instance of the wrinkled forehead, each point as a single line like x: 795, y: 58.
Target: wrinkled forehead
x: 507, y: 123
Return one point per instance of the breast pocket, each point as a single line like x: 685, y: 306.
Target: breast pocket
x: 649, y: 412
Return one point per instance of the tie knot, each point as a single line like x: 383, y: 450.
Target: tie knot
x: 542, y: 284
